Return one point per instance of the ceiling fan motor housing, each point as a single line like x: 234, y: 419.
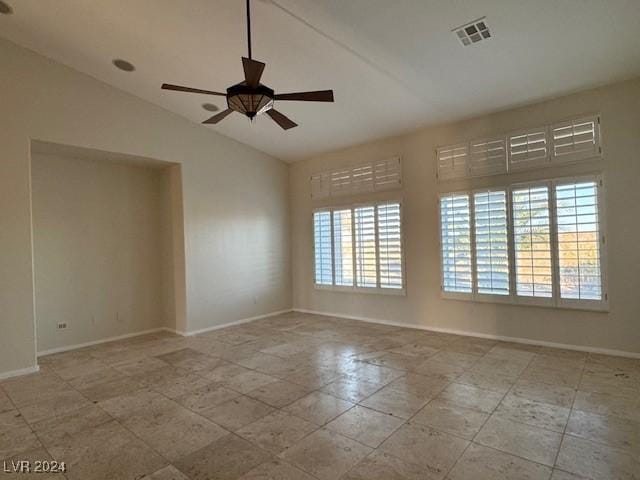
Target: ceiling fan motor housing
x: 250, y: 101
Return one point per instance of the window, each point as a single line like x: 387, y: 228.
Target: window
x: 578, y: 239
x: 532, y: 241
x: 491, y: 240
x: 322, y: 247
x: 455, y: 228
x: 343, y: 246
x: 538, y: 243
x: 389, y: 246
x: 366, y: 251
x: 359, y: 247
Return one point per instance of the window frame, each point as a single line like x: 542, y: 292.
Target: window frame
x: 555, y: 301
x: 355, y: 288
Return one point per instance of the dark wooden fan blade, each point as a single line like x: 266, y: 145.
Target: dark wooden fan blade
x: 179, y: 88
x: 318, y: 96
x: 216, y: 118
x: 252, y: 71
x: 285, y: 122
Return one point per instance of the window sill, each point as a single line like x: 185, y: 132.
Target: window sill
x: 366, y: 290
x: 587, y: 306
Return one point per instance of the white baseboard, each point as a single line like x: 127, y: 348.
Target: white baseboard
x: 527, y: 341
x: 17, y: 373
x: 235, y: 322
x: 102, y: 340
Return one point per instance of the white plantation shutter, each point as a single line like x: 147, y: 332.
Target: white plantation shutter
x: 365, y: 244
x: 532, y: 241
x: 322, y: 247
x: 578, y: 238
x: 367, y: 177
x: 488, y: 157
x: 528, y: 149
x: 453, y: 161
x: 387, y: 174
x: 320, y: 185
x: 389, y: 246
x: 455, y: 227
x: 576, y: 139
x: 362, y: 179
x: 343, y: 247
x: 491, y: 242
x: 341, y: 181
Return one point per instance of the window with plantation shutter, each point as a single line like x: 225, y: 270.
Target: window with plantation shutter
x: 453, y: 161
x: 455, y: 231
x: 528, y: 149
x: 389, y: 246
x: 578, y: 239
x: 366, y: 248
x: 491, y: 242
x: 488, y: 157
x: 322, y: 247
x: 343, y: 247
x: 532, y: 241
x: 374, y: 176
x: 577, y: 139
x: 360, y: 248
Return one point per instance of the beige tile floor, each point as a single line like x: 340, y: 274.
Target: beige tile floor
x: 303, y: 397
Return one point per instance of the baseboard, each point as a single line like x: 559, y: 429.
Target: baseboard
x: 97, y: 342
x: 235, y: 322
x: 526, y: 341
x: 17, y: 373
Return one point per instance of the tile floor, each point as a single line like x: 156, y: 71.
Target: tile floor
x: 303, y: 397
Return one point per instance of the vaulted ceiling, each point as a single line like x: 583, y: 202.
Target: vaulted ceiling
x: 395, y: 65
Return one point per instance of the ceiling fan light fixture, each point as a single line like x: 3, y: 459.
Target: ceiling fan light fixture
x: 5, y: 8
x: 250, y: 97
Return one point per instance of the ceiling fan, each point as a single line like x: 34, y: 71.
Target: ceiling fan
x: 252, y: 98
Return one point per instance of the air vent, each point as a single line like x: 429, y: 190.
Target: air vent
x: 473, y: 32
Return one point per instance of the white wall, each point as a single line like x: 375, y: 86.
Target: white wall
x: 423, y: 305
x: 99, y: 258
x: 236, y: 213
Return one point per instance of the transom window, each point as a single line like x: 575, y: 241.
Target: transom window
x: 359, y: 247
x: 538, y: 243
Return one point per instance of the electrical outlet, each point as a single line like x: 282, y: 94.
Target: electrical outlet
x: 62, y: 326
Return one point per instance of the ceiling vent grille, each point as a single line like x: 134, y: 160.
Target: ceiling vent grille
x: 473, y: 32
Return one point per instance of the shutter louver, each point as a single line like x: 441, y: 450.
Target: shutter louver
x: 492, y: 245
x: 577, y: 139
x: 343, y: 247
x: 453, y: 161
x: 389, y: 246
x: 488, y: 157
x: 322, y: 247
x: 578, y: 237
x: 455, y: 227
x: 365, y: 243
x: 532, y: 242
x: 528, y: 149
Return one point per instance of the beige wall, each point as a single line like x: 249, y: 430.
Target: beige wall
x: 236, y: 214
x: 99, y: 257
x: 423, y: 306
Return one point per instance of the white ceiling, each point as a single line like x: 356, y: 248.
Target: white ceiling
x: 394, y: 64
